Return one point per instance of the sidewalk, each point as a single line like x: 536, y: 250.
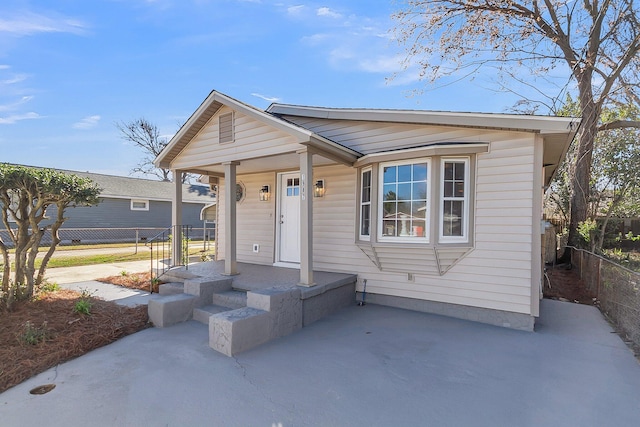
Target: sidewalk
x: 83, y: 278
x: 65, y: 275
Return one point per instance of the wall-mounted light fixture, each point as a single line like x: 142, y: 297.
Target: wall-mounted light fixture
x: 318, y: 188
x: 265, y: 193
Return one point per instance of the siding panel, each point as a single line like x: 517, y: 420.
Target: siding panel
x: 496, y: 274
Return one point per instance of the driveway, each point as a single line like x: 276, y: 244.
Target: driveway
x: 363, y: 366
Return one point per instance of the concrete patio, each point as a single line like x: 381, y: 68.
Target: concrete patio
x: 362, y: 366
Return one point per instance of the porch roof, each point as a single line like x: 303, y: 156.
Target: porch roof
x: 216, y: 100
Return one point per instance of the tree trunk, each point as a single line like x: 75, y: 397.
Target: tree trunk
x: 6, y: 271
x: 55, y: 241
x: 580, y: 182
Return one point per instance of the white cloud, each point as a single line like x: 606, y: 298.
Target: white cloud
x: 87, y: 123
x: 266, y: 98
x: 18, y: 117
x: 295, y: 10
x: 15, y: 105
x: 13, y: 80
x: 325, y: 11
x: 4, y: 67
x: 29, y: 23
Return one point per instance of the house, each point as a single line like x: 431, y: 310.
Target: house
x: 434, y: 211
x: 134, y: 203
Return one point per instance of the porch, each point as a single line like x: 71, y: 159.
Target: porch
x: 251, y: 308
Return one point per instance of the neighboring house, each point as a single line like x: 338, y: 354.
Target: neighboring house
x: 435, y: 211
x: 136, y: 203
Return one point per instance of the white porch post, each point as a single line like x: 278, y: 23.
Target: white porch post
x: 176, y: 219
x: 306, y: 217
x: 230, y: 262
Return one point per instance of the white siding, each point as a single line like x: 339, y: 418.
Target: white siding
x: 252, y: 139
x: 496, y: 274
x: 255, y: 220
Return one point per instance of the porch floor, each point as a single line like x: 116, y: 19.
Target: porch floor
x: 254, y: 277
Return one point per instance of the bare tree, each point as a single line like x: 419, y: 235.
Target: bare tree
x: 596, y: 42
x: 145, y: 135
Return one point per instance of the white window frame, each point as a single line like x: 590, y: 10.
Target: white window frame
x: 465, y: 200
x: 380, y: 210
x: 366, y: 237
x: 146, y: 204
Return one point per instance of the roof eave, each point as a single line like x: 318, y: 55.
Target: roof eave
x: 542, y: 124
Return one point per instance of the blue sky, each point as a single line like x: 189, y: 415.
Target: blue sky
x: 69, y: 70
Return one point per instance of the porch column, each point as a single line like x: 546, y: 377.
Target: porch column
x: 306, y: 217
x: 176, y: 219
x: 230, y: 262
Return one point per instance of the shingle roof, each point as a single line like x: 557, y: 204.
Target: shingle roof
x: 139, y: 188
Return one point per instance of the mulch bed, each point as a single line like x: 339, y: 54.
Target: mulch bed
x: 140, y: 281
x: 65, y: 334
x: 566, y: 285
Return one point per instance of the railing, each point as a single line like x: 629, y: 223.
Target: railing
x: 161, y: 246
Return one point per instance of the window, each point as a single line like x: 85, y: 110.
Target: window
x: 365, y: 204
x: 293, y: 187
x: 454, y: 200
x: 404, y: 195
x: 139, y: 205
x: 225, y: 128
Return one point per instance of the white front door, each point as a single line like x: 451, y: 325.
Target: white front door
x: 289, y: 220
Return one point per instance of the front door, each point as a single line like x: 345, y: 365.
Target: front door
x: 289, y: 220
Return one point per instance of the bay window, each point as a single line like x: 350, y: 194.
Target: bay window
x: 454, y: 204
x: 419, y: 200
x: 365, y: 204
x: 404, y: 197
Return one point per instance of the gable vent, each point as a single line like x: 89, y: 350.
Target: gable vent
x: 225, y: 128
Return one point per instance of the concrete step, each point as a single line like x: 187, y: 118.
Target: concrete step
x: 231, y: 299
x: 171, y: 288
x: 178, y: 274
x: 202, y: 314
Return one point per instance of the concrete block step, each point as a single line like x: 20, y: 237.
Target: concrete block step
x: 171, y: 288
x: 202, y: 314
x: 178, y: 274
x: 231, y: 299
x: 235, y: 331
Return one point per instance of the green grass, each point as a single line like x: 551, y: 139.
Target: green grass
x: 74, y: 261
x: 79, y: 260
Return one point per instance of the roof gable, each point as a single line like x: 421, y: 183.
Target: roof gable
x: 208, y: 109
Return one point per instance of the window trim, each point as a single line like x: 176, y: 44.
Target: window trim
x: 380, y: 202
x: 466, y: 201
x: 361, y: 204
x: 145, y: 201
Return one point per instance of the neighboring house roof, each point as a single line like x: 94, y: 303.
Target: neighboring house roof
x: 557, y: 132
x: 138, y: 188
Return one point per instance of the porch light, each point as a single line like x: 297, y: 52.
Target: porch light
x: 265, y: 193
x: 318, y: 188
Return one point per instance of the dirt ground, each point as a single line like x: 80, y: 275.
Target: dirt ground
x: 563, y: 283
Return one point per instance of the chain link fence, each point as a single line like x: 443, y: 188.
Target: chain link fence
x: 617, y: 290
x: 81, y: 236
